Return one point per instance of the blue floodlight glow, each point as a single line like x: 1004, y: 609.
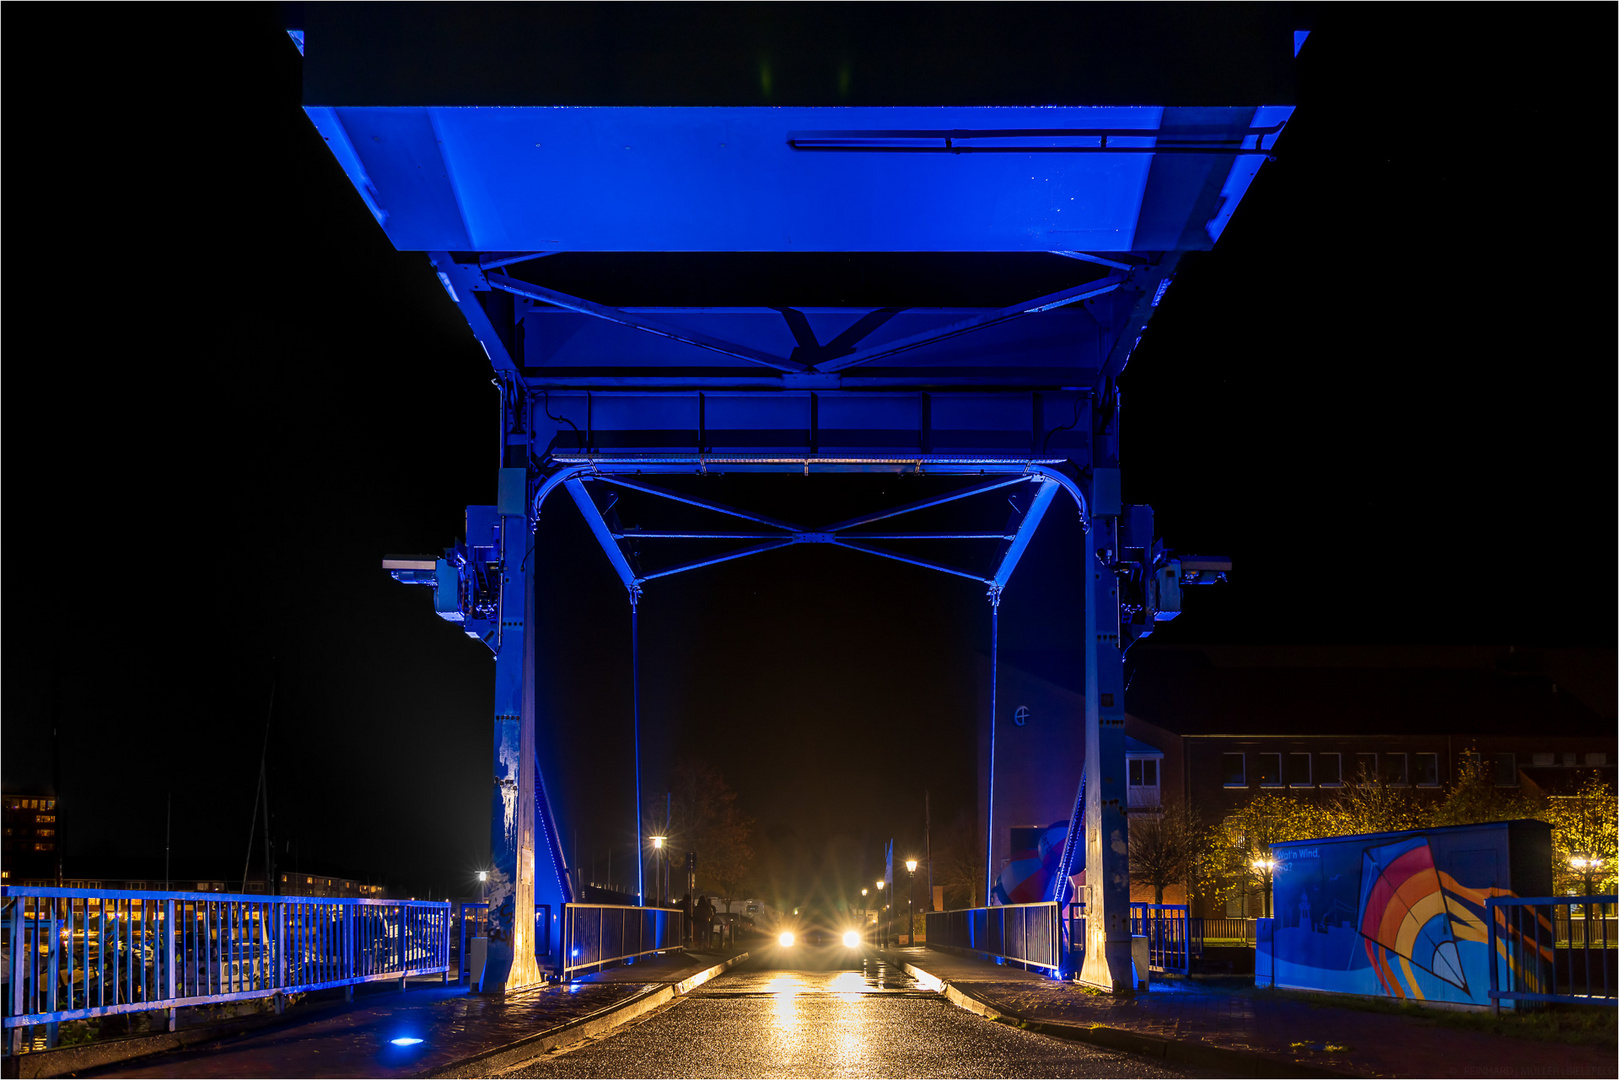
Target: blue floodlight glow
x: 405, y: 1040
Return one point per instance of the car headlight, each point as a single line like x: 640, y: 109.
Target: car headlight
x: 786, y: 938
x: 851, y: 940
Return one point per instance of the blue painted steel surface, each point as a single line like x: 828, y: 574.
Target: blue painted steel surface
x: 595, y: 394
x: 627, y: 179
x: 1540, y: 950
x: 75, y: 954
x: 597, y: 935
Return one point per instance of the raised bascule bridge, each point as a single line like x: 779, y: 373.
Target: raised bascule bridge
x: 803, y: 172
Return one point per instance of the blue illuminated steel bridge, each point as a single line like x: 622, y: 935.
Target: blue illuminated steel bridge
x: 1092, y: 152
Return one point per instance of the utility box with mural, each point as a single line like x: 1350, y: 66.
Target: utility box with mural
x: 1398, y: 914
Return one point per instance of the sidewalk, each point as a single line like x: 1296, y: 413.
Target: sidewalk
x: 1231, y: 1027
x: 455, y: 1028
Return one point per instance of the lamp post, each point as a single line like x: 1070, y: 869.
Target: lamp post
x: 657, y: 865
x: 1265, y: 866
x: 865, y: 910
x: 910, y: 899
x: 882, y: 935
x: 1586, y: 866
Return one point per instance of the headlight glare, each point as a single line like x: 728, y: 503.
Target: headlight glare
x: 786, y: 938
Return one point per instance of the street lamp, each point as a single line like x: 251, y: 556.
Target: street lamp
x: 882, y: 934
x: 1586, y: 865
x: 657, y: 871
x: 910, y: 896
x: 1265, y: 866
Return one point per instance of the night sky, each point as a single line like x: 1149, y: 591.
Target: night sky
x: 1388, y: 395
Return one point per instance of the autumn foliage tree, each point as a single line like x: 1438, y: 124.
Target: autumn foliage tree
x: 1165, y: 849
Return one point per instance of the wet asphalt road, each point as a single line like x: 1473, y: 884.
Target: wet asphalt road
x: 840, y: 1018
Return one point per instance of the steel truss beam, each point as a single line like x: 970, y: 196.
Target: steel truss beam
x: 1014, y: 542
x: 838, y: 354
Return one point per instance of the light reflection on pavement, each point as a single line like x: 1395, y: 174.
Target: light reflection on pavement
x: 866, y: 1020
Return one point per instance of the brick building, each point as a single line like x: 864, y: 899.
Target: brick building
x: 1216, y: 725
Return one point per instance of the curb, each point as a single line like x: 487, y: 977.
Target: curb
x: 514, y: 1055
x: 1236, y: 1062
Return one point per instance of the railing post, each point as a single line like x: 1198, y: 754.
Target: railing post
x: 168, y: 952
x: 18, y: 947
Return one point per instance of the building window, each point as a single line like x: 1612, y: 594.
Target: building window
x: 1427, y: 770
x: 1543, y: 759
x: 1365, y: 768
x: 45, y: 817
x: 1270, y: 770
x: 44, y: 832
x: 1397, y: 769
x: 1506, y: 770
x: 1298, y: 770
x: 1596, y: 759
x: 50, y: 804
x: 42, y: 847
x: 1232, y: 765
x: 1143, y: 773
x: 1331, y: 769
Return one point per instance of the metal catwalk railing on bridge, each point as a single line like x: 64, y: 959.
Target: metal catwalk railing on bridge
x: 1168, y: 930
x: 595, y: 935
x: 77, y: 954
x: 1028, y: 934
x: 1553, y: 948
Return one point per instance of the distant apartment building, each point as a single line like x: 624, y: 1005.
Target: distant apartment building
x: 32, y: 839
x: 300, y: 884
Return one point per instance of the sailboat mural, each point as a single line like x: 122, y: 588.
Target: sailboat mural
x: 1404, y: 912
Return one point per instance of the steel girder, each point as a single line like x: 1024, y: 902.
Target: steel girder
x: 596, y: 393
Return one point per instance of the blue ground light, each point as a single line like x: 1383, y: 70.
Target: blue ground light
x: 405, y: 1040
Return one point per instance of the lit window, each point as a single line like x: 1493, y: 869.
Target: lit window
x: 1427, y: 770
x: 1298, y: 770
x: 50, y: 804
x: 1270, y: 770
x: 45, y: 817
x: 1330, y: 768
x: 44, y: 832
x: 43, y: 847
x: 309, y: 881
x: 1232, y: 767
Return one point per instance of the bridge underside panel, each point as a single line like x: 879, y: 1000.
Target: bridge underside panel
x: 799, y: 179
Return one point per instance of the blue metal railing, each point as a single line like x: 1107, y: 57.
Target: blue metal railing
x: 76, y: 954
x: 1027, y: 934
x: 595, y: 935
x: 1167, y: 928
x: 1552, y: 948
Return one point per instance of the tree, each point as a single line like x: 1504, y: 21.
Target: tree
x: 704, y: 818
x: 958, y: 860
x: 1164, y: 849
x: 1585, y: 824
x: 1474, y: 796
x: 1371, y: 804
x: 1242, y: 844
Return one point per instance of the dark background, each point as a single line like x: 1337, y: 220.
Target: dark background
x: 1389, y: 395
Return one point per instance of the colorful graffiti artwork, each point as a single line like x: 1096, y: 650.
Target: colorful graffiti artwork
x: 1036, y: 856
x: 1401, y: 915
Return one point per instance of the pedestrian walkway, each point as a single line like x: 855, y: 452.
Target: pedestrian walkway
x: 451, y: 1024
x: 1206, y: 1022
